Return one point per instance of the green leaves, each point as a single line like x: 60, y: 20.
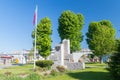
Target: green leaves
x: 44, y: 26
x: 43, y: 42
x: 101, y: 37
x: 117, y: 48
x: 44, y: 63
x: 114, y: 66
x: 70, y: 25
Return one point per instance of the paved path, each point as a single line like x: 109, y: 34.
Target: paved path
x: 2, y: 66
x: 5, y: 66
x: 96, y: 66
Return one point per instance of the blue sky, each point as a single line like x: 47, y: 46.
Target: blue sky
x: 16, y: 18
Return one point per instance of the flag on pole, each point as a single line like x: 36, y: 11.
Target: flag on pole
x: 35, y: 24
x: 35, y: 16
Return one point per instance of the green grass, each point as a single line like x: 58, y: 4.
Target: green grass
x: 17, y: 69
x: 96, y: 64
x: 86, y: 74
x: 18, y: 73
x: 90, y: 73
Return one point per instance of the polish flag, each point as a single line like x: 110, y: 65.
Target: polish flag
x: 35, y: 17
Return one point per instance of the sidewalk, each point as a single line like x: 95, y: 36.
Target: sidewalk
x: 2, y: 66
x: 96, y: 66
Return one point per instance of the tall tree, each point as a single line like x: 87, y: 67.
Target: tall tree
x: 117, y: 46
x: 114, y: 63
x: 101, y: 37
x: 43, y: 39
x: 70, y: 25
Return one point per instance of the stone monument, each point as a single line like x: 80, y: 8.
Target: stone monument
x: 62, y: 56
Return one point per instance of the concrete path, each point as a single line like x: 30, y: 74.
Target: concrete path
x: 96, y: 66
x: 2, y: 66
x: 5, y: 66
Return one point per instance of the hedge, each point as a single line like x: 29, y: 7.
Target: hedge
x: 44, y: 63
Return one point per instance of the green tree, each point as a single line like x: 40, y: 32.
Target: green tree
x: 43, y: 38
x: 114, y: 64
x: 70, y: 25
x: 101, y: 37
x: 117, y: 46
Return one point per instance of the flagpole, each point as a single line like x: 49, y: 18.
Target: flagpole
x: 35, y: 35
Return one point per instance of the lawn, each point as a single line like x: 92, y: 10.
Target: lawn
x: 17, y: 69
x: 90, y: 73
x: 103, y: 65
x: 86, y: 74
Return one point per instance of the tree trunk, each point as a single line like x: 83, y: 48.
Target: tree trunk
x: 45, y: 58
x: 101, y: 60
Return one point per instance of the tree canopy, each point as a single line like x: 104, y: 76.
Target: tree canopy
x: 101, y: 37
x: 43, y: 38
x: 70, y: 26
x: 117, y: 49
x: 114, y: 63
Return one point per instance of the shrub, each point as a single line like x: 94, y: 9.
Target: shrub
x: 44, y: 63
x: 114, y: 66
x: 61, y: 68
x: 8, y: 73
x: 53, y: 72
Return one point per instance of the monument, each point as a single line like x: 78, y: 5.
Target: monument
x: 62, y: 56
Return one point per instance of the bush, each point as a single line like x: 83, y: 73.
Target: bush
x: 114, y: 66
x: 53, y: 72
x: 8, y: 73
x: 44, y: 63
x: 61, y: 68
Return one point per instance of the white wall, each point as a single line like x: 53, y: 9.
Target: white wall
x: 76, y: 56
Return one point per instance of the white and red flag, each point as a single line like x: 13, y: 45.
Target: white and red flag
x: 35, y: 24
x: 35, y: 17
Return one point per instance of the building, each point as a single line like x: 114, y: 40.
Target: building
x: 19, y: 57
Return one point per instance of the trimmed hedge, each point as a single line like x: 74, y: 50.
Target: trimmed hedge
x: 44, y: 63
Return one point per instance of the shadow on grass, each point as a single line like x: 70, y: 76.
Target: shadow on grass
x: 90, y: 75
x: 18, y: 64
